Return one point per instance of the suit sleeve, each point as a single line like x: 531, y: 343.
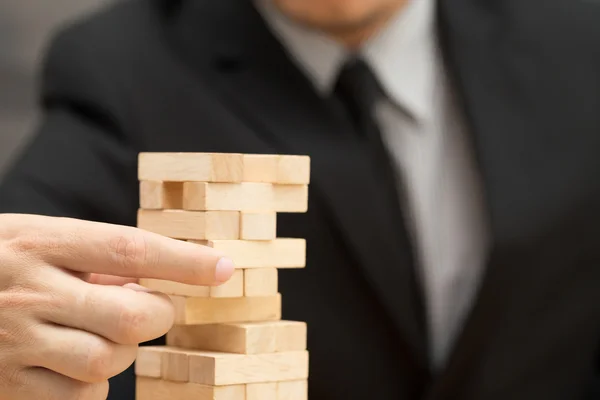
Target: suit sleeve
x: 81, y: 162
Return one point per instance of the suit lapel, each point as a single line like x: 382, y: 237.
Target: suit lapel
x: 261, y: 85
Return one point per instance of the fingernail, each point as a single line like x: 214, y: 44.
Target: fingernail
x: 224, y: 270
x: 137, y: 288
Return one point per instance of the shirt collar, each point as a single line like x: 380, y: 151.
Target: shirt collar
x: 403, y: 56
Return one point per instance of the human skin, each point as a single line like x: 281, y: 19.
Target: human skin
x: 71, y: 314
x: 350, y: 22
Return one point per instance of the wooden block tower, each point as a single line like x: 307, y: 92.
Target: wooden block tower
x: 228, y: 342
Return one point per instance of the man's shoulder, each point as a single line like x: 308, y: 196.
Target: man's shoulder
x: 103, y: 57
x: 119, y: 29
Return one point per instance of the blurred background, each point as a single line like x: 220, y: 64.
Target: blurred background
x: 25, y: 28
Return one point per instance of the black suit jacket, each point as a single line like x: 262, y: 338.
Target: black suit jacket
x: 191, y: 75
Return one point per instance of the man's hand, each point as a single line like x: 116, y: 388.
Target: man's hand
x: 66, y: 324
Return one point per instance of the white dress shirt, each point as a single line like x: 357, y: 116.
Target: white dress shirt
x: 427, y: 139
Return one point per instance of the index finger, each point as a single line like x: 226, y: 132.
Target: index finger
x: 95, y: 247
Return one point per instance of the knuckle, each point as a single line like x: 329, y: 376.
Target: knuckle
x: 99, y: 362
x: 29, y: 242
x: 53, y: 302
x: 12, y: 337
x: 7, y: 337
x: 91, y: 391
x: 22, y: 243
x: 17, y: 336
x: 11, y: 378
x: 20, y: 300
x: 131, y: 323
x: 130, y: 252
x: 19, y: 271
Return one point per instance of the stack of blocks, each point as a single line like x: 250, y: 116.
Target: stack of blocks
x: 228, y: 342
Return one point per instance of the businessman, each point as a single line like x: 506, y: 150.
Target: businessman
x: 454, y: 219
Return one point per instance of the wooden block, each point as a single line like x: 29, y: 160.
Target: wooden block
x: 175, y: 288
x: 246, y: 196
x: 198, y: 225
x: 182, y: 167
x: 149, y: 361
x: 202, y: 310
x: 293, y: 170
x: 292, y: 390
x: 241, y: 338
x: 260, y: 168
x: 290, y: 198
x: 260, y: 281
x: 261, y: 391
x: 161, y: 195
x: 220, y: 369
x: 278, y: 253
x: 157, y: 389
x: 277, y: 169
x: 234, y: 287
x: 175, y: 365
x: 258, y: 225
x: 291, y: 336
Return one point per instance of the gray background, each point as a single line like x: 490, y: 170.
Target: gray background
x: 25, y: 28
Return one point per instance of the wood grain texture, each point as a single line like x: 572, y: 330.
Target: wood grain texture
x: 182, y: 167
x: 278, y: 253
x: 260, y: 168
x: 234, y: 287
x: 258, y: 225
x: 179, y: 224
x: 199, y: 310
x: 291, y: 336
x: 277, y: 169
x: 175, y: 365
x: 228, y: 341
x: 149, y: 361
x: 245, y: 196
x: 161, y: 195
x: 261, y: 281
x: 175, y: 288
x: 293, y: 170
x: 292, y: 390
x: 241, y: 338
x: 261, y: 391
x: 157, y: 389
x: 220, y: 369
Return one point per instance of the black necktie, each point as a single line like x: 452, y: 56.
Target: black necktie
x: 358, y: 90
